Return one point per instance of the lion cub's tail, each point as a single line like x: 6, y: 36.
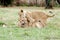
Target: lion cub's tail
x: 51, y: 14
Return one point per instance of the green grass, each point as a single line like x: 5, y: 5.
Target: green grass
x: 9, y: 16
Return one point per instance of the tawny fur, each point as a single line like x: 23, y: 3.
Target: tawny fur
x: 34, y: 18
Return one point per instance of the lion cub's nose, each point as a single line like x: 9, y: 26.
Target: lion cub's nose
x: 23, y: 23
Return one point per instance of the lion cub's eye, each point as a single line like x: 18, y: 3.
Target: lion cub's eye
x: 22, y: 20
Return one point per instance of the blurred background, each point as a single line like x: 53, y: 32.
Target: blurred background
x: 38, y: 3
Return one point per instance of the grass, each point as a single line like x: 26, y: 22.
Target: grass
x: 9, y: 16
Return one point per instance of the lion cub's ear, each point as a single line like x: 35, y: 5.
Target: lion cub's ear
x: 21, y: 10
